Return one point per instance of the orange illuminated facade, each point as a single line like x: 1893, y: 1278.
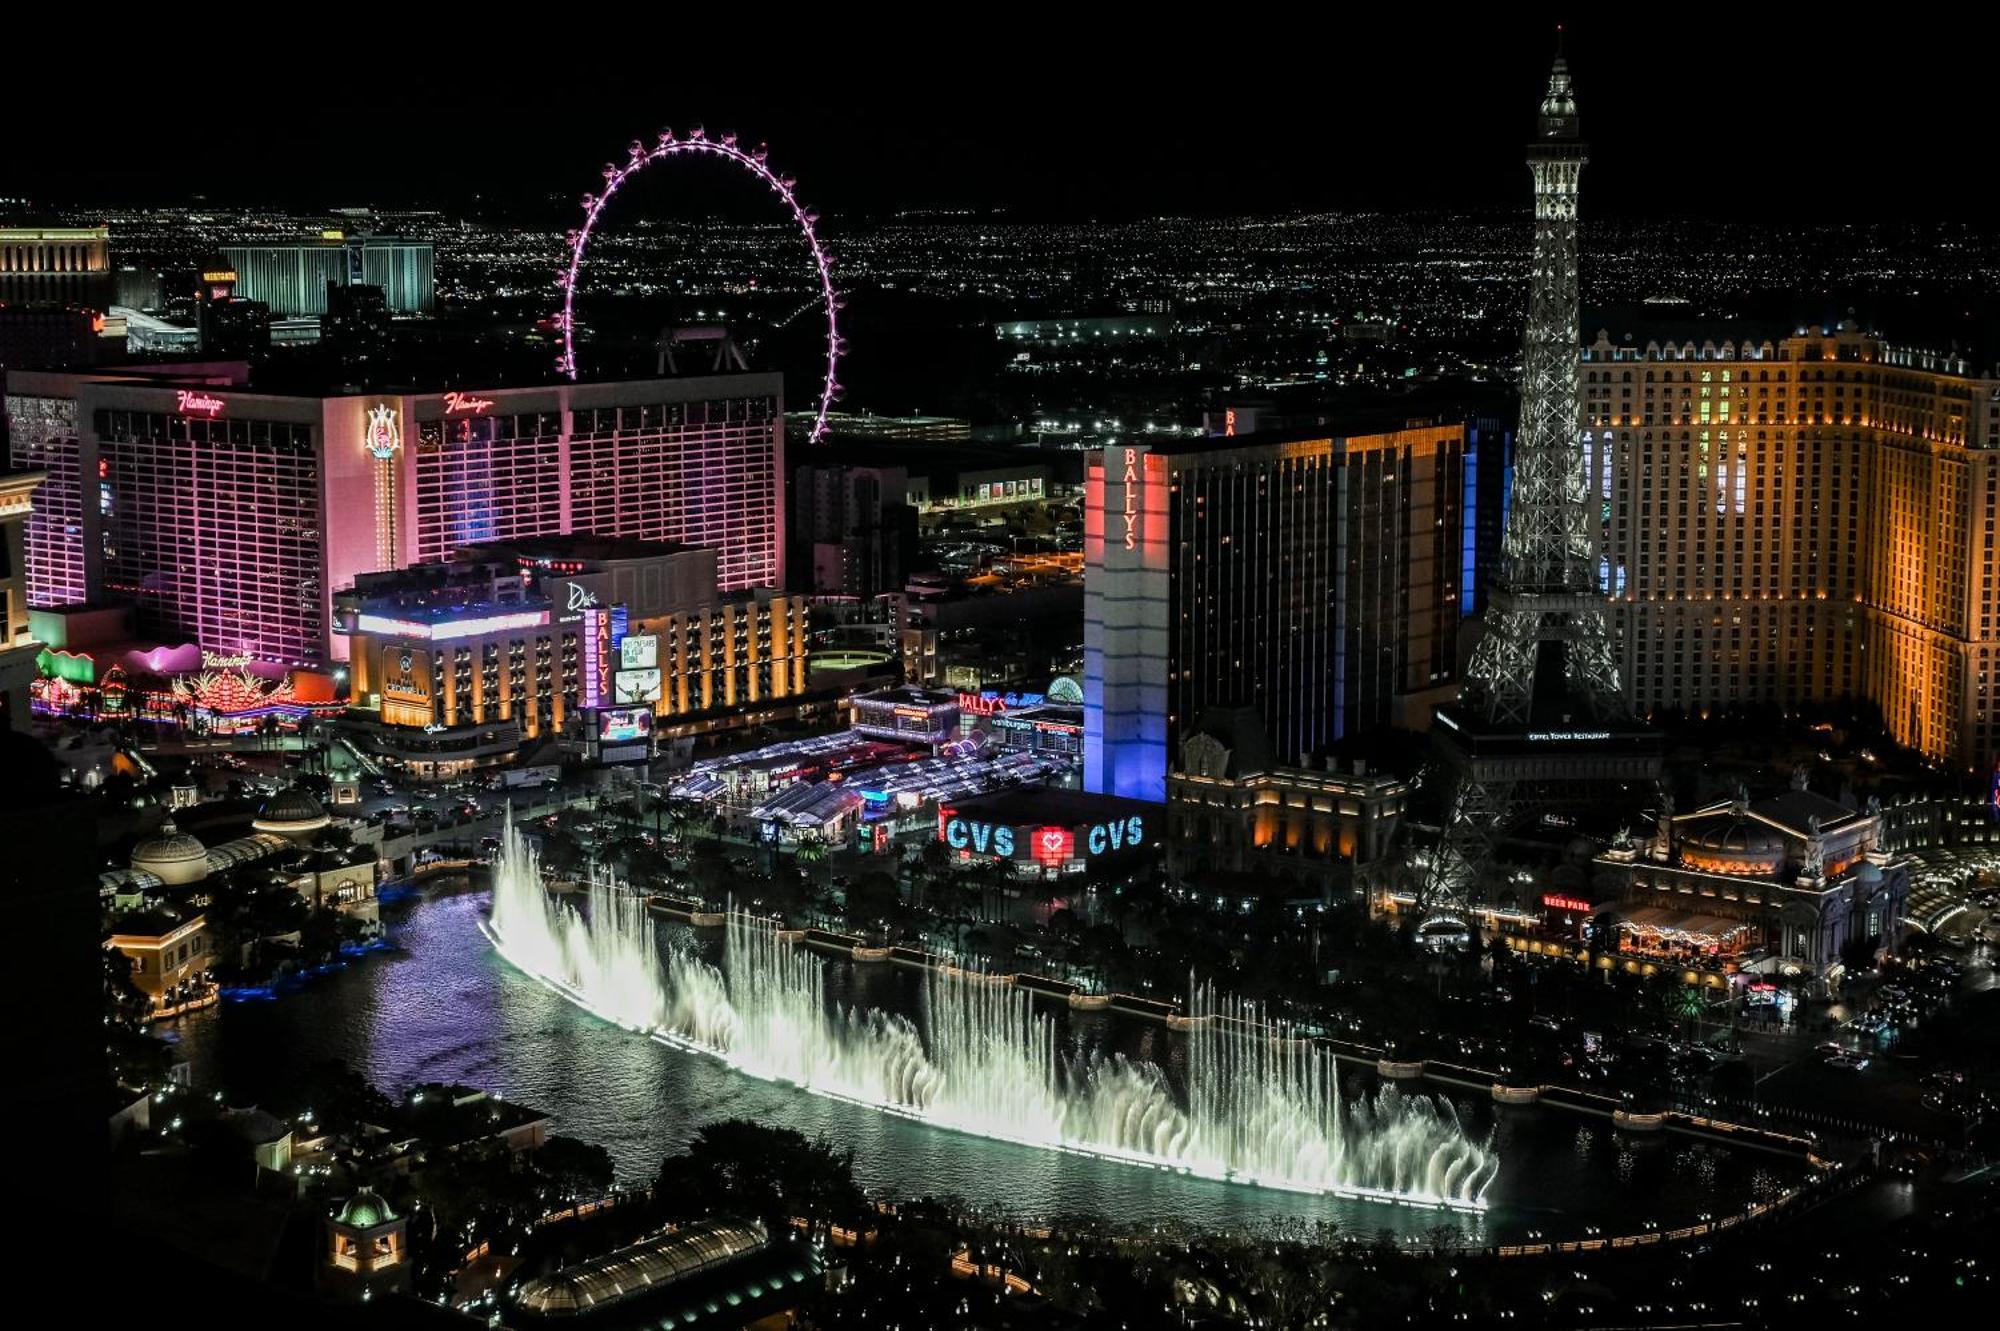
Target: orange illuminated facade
x: 732, y: 653
x: 1232, y: 808
x: 1801, y: 520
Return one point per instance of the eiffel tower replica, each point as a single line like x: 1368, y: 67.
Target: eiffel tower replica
x: 1541, y: 724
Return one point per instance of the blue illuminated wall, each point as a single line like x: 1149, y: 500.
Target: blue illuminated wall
x: 1125, y: 626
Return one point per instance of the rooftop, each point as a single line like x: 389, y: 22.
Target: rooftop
x: 641, y: 1268
x: 1357, y: 424
x: 584, y: 546
x: 1045, y: 804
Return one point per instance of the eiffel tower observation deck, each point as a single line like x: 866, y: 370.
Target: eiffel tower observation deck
x: 1541, y: 724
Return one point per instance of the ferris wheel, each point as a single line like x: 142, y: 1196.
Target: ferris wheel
x: 638, y: 157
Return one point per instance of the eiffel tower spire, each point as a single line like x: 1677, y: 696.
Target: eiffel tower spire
x: 1545, y: 652
x: 1541, y: 720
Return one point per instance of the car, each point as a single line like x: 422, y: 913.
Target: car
x: 1830, y: 1047
x: 1848, y: 1062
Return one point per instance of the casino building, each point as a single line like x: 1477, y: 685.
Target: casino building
x: 292, y: 277
x: 1316, y: 577
x: 57, y: 265
x: 457, y: 664
x: 231, y: 517
x: 1802, y: 518
x: 1233, y: 808
x: 1785, y: 884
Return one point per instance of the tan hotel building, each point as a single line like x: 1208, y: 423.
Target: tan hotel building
x: 456, y: 664
x: 1801, y: 520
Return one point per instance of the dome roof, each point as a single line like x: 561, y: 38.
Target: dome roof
x: 1733, y: 835
x: 171, y: 854
x: 290, y: 812
x: 365, y: 1210
x: 1869, y: 872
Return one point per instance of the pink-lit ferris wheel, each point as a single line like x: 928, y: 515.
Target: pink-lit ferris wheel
x: 638, y: 158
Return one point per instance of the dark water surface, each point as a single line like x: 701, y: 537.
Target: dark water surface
x: 447, y: 1009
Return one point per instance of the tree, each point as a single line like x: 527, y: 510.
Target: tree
x: 872, y: 900
x: 745, y: 1168
x: 339, y: 1098
x: 575, y: 1169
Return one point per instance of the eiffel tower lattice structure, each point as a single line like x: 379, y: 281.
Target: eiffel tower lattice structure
x: 1541, y: 724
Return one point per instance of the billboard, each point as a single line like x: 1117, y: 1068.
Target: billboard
x: 620, y: 725
x: 406, y: 675
x: 632, y: 686
x: 640, y: 651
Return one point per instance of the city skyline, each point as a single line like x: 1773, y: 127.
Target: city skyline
x: 880, y: 733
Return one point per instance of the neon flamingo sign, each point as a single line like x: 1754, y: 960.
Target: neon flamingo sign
x: 197, y: 404
x: 466, y: 402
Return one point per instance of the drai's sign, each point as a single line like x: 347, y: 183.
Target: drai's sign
x: 1001, y: 839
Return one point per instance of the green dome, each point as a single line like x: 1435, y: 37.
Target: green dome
x: 365, y: 1210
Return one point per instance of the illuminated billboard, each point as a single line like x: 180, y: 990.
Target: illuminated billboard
x: 620, y: 725
x: 406, y: 674
x: 639, y: 652
x: 630, y: 686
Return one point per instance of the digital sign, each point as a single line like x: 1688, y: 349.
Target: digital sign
x: 980, y: 838
x: 621, y: 725
x: 640, y: 651
x: 594, y: 644
x: 447, y: 629
x: 1052, y: 845
x: 989, y: 702
x: 1049, y: 845
x: 1118, y: 834
x: 629, y: 686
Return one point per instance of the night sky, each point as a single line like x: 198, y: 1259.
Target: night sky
x: 1038, y: 118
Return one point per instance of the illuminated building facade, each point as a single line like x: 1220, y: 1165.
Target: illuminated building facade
x: 168, y: 953
x: 1313, y: 578
x: 1788, y: 883
x: 909, y: 714
x: 231, y: 517
x: 1802, y: 520
x: 18, y: 648
x: 57, y: 265
x: 1041, y: 832
x: 1232, y: 808
x: 292, y: 277
x: 456, y: 664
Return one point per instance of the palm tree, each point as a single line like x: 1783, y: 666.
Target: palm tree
x: 1689, y: 1006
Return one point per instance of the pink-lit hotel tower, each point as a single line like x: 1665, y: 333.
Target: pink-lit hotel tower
x: 230, y: 517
